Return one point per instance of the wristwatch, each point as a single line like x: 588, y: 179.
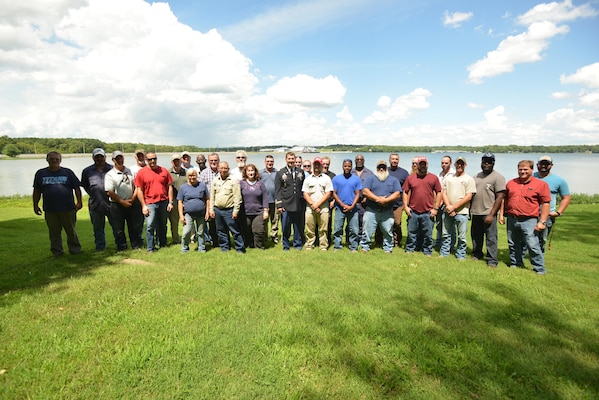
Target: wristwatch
x: 543, y: 222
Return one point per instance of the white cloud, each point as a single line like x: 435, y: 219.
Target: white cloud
x: 455, y: 19
x: 495, y: 119
x: 402, y: 108
x: 308, y: 91
x: 561, y: 95
x: 542, y: 22
x: 582, y: 122
x: 556, y: 12
x: 523, y: 48
x: 587, y: 75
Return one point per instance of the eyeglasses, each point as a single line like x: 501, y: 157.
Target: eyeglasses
x: 305, y: 166
x: 414, y: 163
x: 488, y: 161
x: 152, y: 159
x: 240, y: 158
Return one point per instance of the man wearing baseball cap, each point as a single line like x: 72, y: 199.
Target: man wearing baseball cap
x: 381, y: 192
x: 557, y: 185
x: 124, y: 206
x: 458, y: 190
x: 92, y: 180
x: 140, y: 162
x: 421, y: 198
x: 317, y: 189
x: 490, y: 190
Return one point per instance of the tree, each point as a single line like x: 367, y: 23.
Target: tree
x: 11, y: 150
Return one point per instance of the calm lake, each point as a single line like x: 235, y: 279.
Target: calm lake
x: 17, y: 175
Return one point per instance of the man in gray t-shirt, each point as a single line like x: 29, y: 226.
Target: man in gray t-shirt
x: 490, y: 189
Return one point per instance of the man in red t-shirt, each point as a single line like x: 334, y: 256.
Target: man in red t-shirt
x: 155, y: 195
x: 524, y: 196
x: 421, y: 198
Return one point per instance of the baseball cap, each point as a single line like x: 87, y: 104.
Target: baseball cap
x: 381, y: 163
x: 139, y: 151
x: 185, y: 153
x: 489, y: 155
x: 317, y: 160
x: 98, y: 152
x: 462, y: 159
x: 116, y: 153
x: 175, y: 157
x: 421, y: 159
x: 546, y: 158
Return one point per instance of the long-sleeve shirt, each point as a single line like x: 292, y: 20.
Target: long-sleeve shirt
x: 225, y: 193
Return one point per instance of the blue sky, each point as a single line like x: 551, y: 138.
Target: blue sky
x: 308, y: 72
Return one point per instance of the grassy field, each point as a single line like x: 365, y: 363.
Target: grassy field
x: 296, y: 325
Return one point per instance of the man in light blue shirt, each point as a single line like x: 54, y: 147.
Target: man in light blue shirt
x: 557, y: 185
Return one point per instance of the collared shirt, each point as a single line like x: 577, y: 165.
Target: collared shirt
x: 225, y: 193
x: 268, y: 178
x: 524, y: 199
x: 317, y: 186
x: 120, y: 182
x: 207, y: 176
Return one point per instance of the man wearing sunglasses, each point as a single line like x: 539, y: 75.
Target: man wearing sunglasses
x: 155, y: 195
x: 557, y: 185
x: 490, y: 190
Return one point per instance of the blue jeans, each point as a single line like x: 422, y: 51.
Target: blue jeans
x: 194, y: 223
x: 156, y: 225
x: 98, y: 220
x: 459, y: 221
x: 372, y: 220
x: 292, y: 218
x: 225, y: 223
x: 520, y: 233
x: 353, y: 231
x: 420, y: 228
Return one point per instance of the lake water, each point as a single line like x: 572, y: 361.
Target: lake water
x: 16, y: 176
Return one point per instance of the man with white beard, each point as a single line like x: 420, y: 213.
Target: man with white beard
x: 240, y: 158
x: 381, y: 191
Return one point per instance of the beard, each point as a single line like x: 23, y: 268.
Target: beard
x: 382, y: 175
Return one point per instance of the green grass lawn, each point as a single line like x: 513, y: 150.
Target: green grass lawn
x: 297, y: 325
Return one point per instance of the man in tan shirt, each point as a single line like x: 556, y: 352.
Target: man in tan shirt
x: 225, y: 204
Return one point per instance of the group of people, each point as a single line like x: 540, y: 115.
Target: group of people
x: 215, y: 204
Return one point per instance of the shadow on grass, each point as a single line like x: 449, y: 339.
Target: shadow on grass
x: 27, y: 262
x: 466, y: 345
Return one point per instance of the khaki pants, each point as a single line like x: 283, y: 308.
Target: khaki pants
x: 312, y: 220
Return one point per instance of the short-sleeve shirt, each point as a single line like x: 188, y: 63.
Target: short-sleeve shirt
x: 193, y: 197
x: 524, y: 199
x: 346, y: 188
x: 120, y: 182
x: 56, y: 188
x: 154, y: 183
x: 457, y: 187
x: 381, y: 188
x: 486, y: 188
x: 423, y: 190
x: 557, y: 185
x: 317, y: 187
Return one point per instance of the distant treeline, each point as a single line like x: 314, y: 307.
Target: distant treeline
x: 15, y: 146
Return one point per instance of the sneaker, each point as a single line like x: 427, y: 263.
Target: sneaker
x: 492, y: 265
x: 275, y: 240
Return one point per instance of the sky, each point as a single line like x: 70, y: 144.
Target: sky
x: 302, y: 72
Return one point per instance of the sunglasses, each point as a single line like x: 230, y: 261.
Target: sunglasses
x: 152, y: 159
